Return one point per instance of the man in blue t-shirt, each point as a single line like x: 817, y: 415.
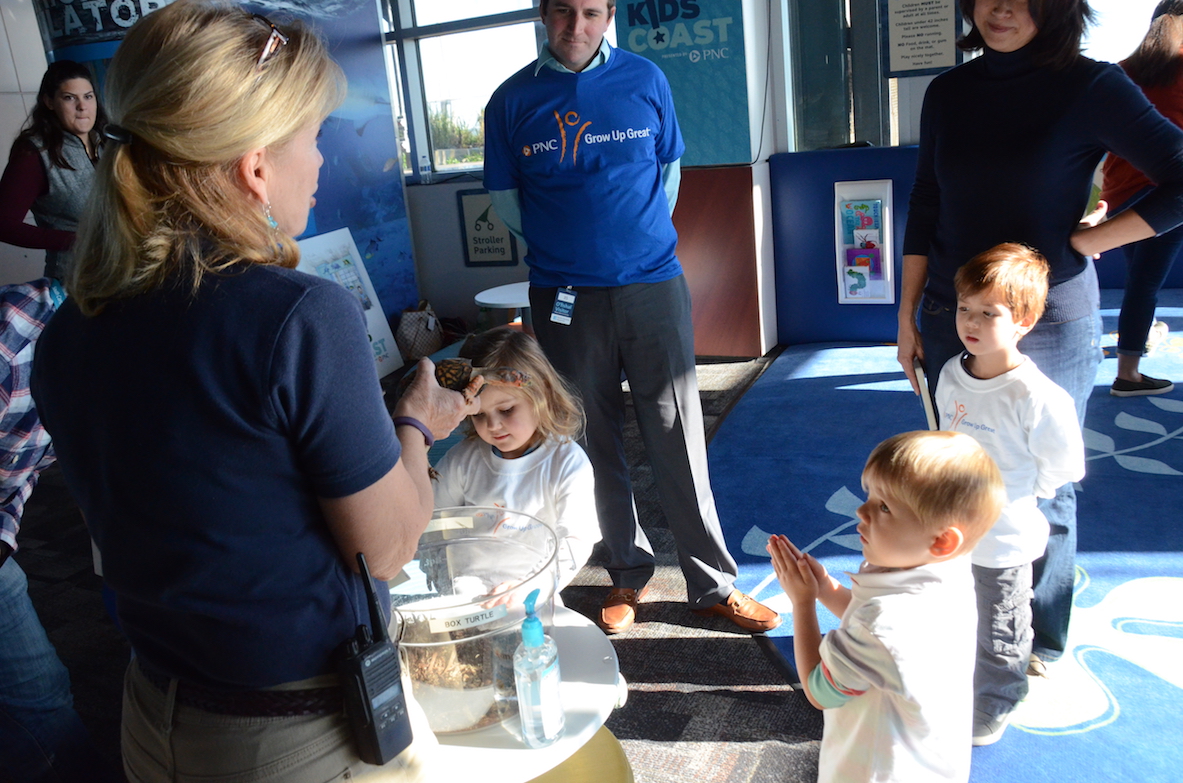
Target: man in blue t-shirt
x: 581, y: 161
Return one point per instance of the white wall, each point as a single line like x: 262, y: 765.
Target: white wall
x: 22, y: 63
x: 444, y: 280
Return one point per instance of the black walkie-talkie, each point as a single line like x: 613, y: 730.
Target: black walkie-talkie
x: 372, y: 686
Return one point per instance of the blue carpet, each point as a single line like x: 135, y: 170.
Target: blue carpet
x: 788, y: 460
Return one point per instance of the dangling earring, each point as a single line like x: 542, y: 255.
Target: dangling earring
x: 267, y: 213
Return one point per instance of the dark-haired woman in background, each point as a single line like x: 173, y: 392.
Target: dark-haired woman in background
x: 1009, y: 143
x: 1157, y: 67
x: 51, y: 166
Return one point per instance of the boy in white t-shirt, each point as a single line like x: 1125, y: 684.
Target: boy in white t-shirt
x: 896, y: 678
x: 1028, y: 425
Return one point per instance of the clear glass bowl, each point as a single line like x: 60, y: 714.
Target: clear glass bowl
x: 460, y: 611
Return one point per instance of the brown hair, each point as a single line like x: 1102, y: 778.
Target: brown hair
x: 945, y: 478
x: 187, y: 85
x: 1157, y: 62
x: 1061, y: 25
x: 43, y: 128
x: 556, y: 403
x: 1016, y: 272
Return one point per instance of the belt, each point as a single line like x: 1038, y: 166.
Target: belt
x: 249, y: 704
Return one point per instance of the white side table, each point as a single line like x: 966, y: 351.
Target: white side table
x: 513, y: 296
x: 589, y: 668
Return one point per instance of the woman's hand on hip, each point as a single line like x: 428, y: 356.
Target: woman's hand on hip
x: 1080, y: 239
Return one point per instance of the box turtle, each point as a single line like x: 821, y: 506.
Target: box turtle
x: 455, y: 374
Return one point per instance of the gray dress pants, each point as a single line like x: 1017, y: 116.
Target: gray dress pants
x: 644, y: 331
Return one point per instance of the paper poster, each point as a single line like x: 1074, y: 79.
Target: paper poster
x: 920, y: 36
x: 861, y: 283
x: 867, y: 259
x: 861, y: 216
x: 334, y: 256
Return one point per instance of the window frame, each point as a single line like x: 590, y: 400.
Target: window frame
x: 405, y: 38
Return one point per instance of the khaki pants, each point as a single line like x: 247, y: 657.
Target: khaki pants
x: 163, y: 741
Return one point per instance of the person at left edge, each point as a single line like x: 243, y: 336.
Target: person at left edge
x: 582, y: 152
x: 42, y: 738
x: 217, y: 414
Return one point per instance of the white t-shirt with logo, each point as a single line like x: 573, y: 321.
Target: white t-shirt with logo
x: 1028, y: 425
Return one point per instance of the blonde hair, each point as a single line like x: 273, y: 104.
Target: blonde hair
x: 1015, y: 272
x: 187, y: 85
x: 944, y: 478
x: 556, y: 403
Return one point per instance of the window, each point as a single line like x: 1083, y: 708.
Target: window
x: 447, y: 59
x: 429, y: 12
x: 460, y: 72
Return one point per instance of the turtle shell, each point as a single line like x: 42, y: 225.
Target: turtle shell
x: 455, y: 374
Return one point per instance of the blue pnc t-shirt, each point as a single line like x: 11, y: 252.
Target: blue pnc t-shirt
x: 197, y: 432
x: 584, y: 151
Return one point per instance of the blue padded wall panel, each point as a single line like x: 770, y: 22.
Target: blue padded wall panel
x: 807, y: 308
x: 1111, y: 271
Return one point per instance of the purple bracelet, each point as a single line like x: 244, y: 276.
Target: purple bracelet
x: 410, y: 422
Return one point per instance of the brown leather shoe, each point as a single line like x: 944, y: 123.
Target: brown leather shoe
x: 620, y: 608
x: 743, y: 610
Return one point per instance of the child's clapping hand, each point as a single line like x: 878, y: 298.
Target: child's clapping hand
x: 794, y: 570
x: 803, y: 578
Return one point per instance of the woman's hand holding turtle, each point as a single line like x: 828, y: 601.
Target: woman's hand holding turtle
x: 440, y: 409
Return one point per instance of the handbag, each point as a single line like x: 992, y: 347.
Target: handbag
x: 419, y: 332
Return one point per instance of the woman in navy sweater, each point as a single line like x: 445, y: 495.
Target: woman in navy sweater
x: 1008, y: 146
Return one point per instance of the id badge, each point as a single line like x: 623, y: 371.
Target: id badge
x: 564, y: 306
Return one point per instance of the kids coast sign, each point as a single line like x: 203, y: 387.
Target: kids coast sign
x: 699, y: 45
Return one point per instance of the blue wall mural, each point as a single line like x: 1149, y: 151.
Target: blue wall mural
x: 361, y: 186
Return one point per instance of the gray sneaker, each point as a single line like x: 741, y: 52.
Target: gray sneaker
x: 988, y: 729
x: 1147, y: 386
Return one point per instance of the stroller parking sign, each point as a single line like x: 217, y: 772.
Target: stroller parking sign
x: 487, y: 241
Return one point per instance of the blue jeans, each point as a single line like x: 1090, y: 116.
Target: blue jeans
x: 1004, y: 638
x: 1147, y: 265
x: 1068, y: 353
x: 41, y: 736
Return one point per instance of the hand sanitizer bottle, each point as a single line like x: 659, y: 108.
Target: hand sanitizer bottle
x: 536, y: 674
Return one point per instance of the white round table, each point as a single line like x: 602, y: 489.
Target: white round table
x: 512, y: 296
x: 589, y: 668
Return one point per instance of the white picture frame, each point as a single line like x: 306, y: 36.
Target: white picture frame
x: 864, y: 250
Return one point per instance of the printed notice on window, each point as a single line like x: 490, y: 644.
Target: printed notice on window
x: 921, y: 36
